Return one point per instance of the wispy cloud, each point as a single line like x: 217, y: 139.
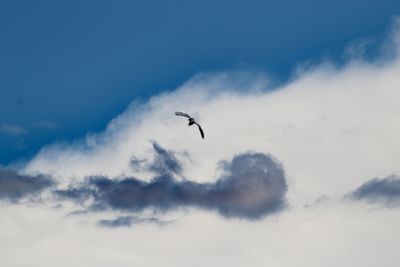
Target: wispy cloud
x: 130, y: 220
x: 384, y: 191
x: 13, y: 129
x: 164, y: 162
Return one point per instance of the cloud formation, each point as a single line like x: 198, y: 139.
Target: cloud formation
x: 14, y: 186
x: 385, y: 191
x: 252, y: 185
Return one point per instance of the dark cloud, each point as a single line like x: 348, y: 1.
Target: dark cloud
x: 127, y: 221
x: 15, y: 186
x: 77, y: 194
x: 385, y: 191
x: 253, y: 185
x: 164, y: 162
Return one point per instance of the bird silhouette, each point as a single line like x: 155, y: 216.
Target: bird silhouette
x: 191, y: 121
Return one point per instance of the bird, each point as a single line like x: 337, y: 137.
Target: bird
x: 191, y: 121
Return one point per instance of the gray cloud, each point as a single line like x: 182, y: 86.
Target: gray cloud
x: 164, y: 162
x: 128, y: 221
x: 253, y: 185
x: 385, y: 191
x: 15, y: 186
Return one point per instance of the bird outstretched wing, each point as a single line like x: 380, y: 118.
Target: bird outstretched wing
x: 191, y: 121
x: 201, y: 130
x: 178, y: 113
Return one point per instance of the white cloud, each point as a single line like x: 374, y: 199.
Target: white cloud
x: 325, y: 237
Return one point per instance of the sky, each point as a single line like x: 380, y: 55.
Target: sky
x: 69, y: 68
x: 298, y: 102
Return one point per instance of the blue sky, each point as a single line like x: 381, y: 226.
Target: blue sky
x: 68, y: 68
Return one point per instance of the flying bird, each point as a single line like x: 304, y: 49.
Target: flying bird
x: 191, y: 121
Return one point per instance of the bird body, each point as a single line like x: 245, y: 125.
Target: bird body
x: 191, y: 122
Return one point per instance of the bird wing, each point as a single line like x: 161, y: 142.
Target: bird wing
x: 201, y: 130
x: 178, y: 113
